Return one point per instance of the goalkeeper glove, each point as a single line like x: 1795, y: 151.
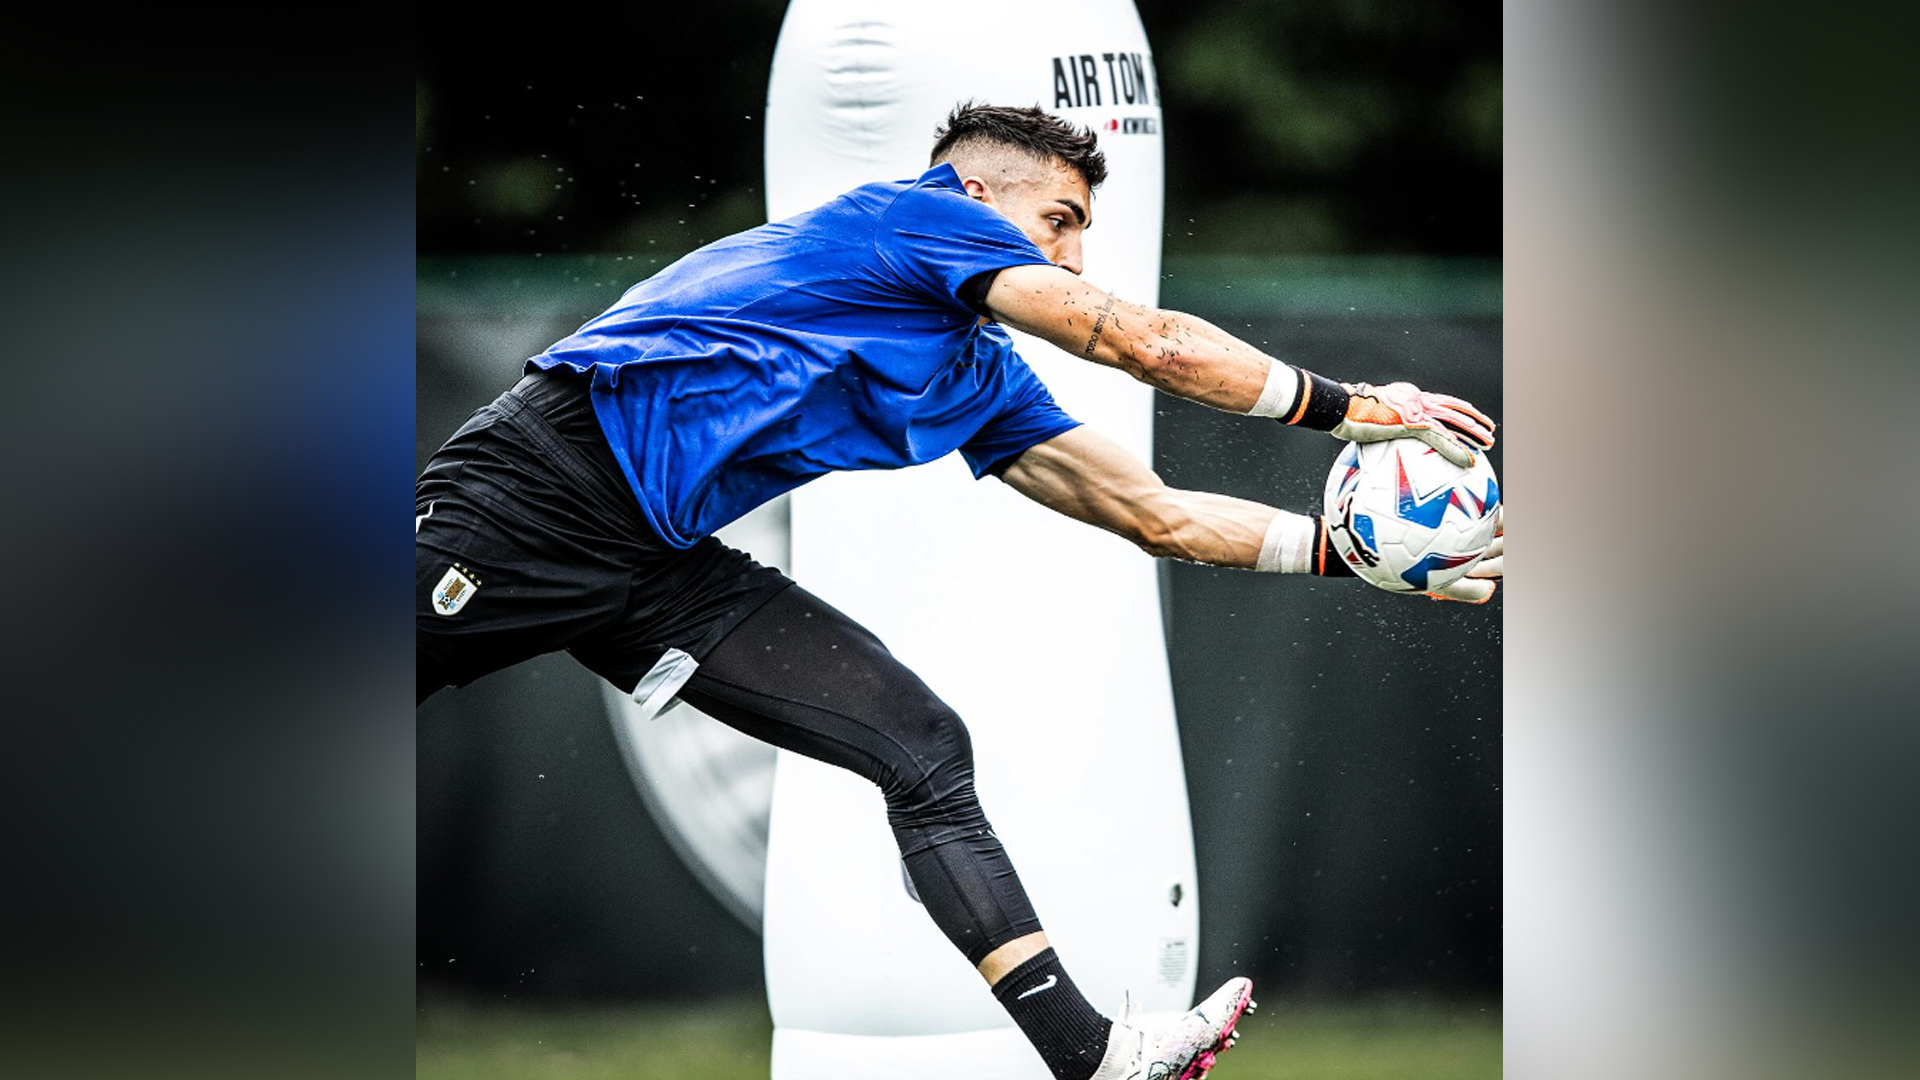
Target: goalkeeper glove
x: 1476, y: 587
x: 1368, y: 413
x: 1479, y: 583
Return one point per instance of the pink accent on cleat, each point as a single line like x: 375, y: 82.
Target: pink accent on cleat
x: 1203, y: 1061
x: 1183, y: 1049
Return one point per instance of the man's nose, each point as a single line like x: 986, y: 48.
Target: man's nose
x: 1068, y: 256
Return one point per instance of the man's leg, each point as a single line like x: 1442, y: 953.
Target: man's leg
x: 802, y: 676
x: 1002, y: 961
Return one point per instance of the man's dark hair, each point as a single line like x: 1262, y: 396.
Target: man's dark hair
x: 1034, y: 131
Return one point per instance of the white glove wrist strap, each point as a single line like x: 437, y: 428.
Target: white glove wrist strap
x: 1288, y: 547
x: 1280, y: 392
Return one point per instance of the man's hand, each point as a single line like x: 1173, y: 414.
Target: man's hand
x: 1399, y: 410
x: 1478, y: 586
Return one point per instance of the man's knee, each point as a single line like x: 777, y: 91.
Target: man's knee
x: 936, y: 766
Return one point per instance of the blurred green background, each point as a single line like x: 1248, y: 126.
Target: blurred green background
x: 1292, y: 128
x: 728, y: 1040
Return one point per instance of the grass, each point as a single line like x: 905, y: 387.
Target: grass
x: 729, y: 1041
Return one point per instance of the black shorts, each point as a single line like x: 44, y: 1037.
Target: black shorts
x: 528, y: 540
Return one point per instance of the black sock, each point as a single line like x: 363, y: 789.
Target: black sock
x: 1070, y: 1035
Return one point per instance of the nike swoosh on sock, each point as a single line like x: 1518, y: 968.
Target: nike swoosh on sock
x: 1052, y: 981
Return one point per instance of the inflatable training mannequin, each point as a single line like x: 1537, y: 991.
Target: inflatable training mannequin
x: 1043, y: 634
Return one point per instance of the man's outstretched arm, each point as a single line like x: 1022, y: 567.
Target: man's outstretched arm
x: 1189, y: 357
x: 1091, y: 478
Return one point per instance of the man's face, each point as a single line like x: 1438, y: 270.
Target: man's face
x: 1049, y: 202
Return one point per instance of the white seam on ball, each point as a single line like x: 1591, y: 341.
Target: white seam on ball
x: 1288, y: 541
x: 1280, y: 392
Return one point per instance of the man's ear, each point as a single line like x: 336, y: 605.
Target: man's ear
x: 978, y: 189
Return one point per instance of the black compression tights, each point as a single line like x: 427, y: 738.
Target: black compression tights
x: 802, y: 676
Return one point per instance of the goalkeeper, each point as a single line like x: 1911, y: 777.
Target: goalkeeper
x: 577, y: 510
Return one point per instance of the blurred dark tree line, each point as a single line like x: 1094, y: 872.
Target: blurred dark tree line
x: 1330, y: 127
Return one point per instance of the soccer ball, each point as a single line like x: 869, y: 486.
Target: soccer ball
x: 1405, y: 518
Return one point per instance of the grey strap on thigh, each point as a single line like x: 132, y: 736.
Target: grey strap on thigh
x: 658, y: 686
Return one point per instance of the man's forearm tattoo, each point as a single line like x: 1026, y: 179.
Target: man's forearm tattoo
x: 1099, y: 324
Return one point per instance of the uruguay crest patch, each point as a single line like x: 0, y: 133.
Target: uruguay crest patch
x: 453, y: 592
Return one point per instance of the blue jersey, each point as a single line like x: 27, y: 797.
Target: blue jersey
x: 831, y: 340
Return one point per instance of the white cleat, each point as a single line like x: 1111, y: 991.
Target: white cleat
x: 1183, y: 1050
